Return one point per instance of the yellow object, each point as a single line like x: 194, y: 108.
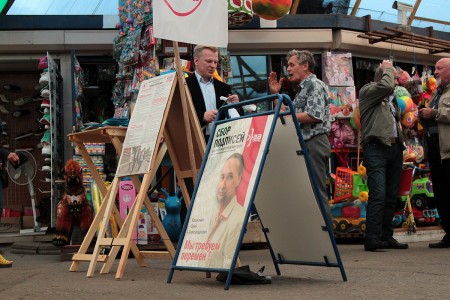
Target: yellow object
x: 362, y: 170
x: 363, y: 196
x: 4, y: 263
x: 217, y: 76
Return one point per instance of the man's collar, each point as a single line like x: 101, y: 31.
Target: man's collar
x: 200, y: 79
x: 310, y: 76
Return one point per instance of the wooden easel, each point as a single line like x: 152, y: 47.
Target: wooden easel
x: 179, y: 143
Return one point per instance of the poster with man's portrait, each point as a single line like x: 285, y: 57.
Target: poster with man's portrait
x: 224, y: 192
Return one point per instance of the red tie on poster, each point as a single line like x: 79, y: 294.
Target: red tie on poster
x: 250, y: 154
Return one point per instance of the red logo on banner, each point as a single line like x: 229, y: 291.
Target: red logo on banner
x: 250, y: 154
x: 183, y: 10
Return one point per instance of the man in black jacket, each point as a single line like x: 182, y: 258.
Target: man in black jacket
x: 207, y: 90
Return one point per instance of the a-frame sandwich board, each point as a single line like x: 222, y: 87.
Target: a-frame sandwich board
x: 276, y: 177
x: 147, y: 139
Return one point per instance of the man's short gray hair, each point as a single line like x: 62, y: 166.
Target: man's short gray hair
x: 199, y: 48
x: 303, y: 56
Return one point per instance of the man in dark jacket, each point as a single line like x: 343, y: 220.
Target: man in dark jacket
x: 207, y: 90
x: 382, y: 141
x: 436, y: 121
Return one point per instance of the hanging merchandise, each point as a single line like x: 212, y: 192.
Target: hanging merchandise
x: 130, y: 51
x: 271, y: 9
x: 134, y: 51
x: 239, y: 12
x: 337, y: 69
x: 224, y: 68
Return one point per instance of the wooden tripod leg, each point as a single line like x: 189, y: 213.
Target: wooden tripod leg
x: 101, y: 241
x: 121, y: 240
x: 89, y: 236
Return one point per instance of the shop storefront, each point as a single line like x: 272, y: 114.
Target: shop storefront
x: 254, y: 50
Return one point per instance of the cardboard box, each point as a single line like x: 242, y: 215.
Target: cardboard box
x: 254, y: 233
x: 27, y: 222
x: 11, y: 220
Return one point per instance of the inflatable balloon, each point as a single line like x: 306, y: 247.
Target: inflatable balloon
x: 408, y: 103
x: 409, y: 119
x: 431, y: 85
x: 355, y: 119
x: 271, y: 9
x: 352, y: 122
x: 401, y: 104
x: 401, y: 91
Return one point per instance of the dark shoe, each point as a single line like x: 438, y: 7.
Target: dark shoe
x: 394, y: 244
x: 440, y: 244
x: 375, y: 245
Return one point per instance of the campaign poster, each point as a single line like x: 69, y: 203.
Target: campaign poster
x: 224, y: 192
x: 145, y: 124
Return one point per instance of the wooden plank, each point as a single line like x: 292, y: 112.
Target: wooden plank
x: 156, y: 254
x: 88, y: 257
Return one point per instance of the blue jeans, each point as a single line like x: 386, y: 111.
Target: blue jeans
x: 384, y: 169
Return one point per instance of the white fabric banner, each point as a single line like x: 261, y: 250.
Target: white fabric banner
x: 192, y: 21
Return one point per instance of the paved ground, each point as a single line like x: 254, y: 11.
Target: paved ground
x: 416, y: 273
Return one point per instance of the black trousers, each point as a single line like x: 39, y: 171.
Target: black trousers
x: 384, y: 170
x: 440, y: 177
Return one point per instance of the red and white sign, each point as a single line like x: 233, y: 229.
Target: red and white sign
x: 192, y: 21
x: 215, y: 223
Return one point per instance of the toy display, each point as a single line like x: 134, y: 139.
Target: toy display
x: 337, y: 69
x: 348, y: 206
x: 343, y: 101
x: 73, y: 209
x: 416, y: 205
x: 342, y: 134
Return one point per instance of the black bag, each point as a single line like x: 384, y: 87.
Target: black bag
x: 243, y: 275
x: 4, y: 178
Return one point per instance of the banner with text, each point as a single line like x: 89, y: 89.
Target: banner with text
x: 224, y: 192
x: 193, y: 21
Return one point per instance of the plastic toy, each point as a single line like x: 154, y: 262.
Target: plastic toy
x: 172, y: 221
x: 350, y: 200
x: 349, y: 185
x: 419, y: 194
x: 73, y: 208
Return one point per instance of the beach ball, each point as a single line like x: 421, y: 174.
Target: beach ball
x: 409, y: 119
x: 401, y: 91
x: 239, y: 12
x: 408, y: 103
x: 355, y: 119
x: 431, y: 85
x: 271, y: 9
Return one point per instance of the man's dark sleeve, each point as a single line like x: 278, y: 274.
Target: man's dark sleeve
x: 4, y: 153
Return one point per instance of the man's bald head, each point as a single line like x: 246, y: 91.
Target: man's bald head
x: 442, y: 71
